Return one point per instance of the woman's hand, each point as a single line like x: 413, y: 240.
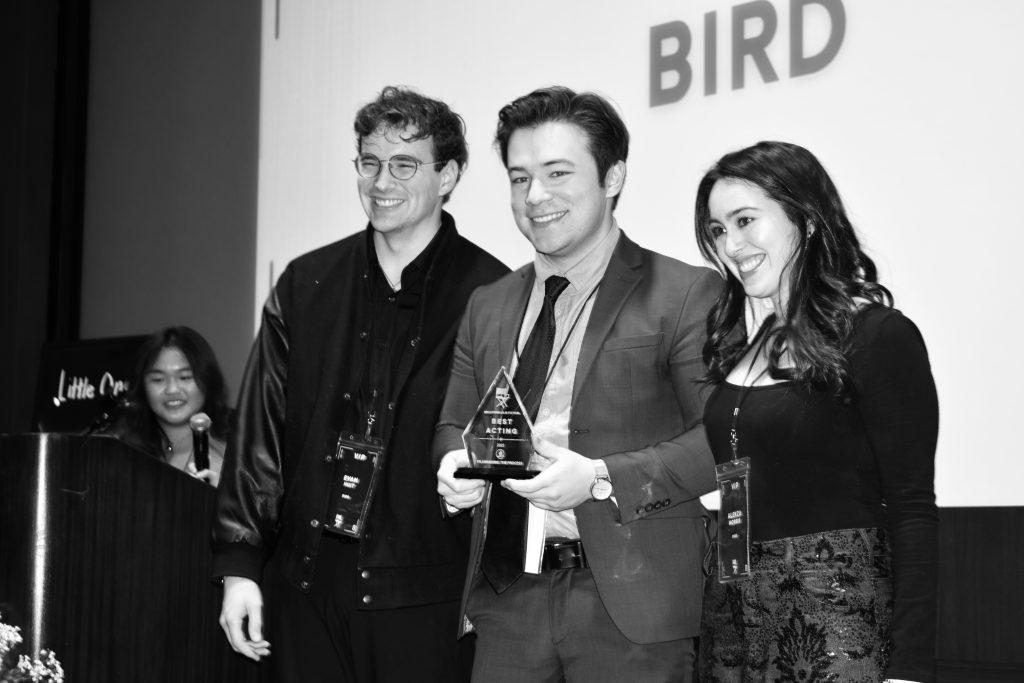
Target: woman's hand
x: 210, y: 476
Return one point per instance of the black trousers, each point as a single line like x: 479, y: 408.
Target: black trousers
x: 324, y: 636
x: 553, y: 627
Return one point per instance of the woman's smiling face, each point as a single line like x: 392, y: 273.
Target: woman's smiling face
x: 172, y: 391
x: 753, y: 238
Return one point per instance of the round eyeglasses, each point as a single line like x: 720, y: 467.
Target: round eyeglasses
x: 400, y: 166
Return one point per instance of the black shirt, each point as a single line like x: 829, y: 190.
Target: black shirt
x: 394, y: 323
x: 819, y: 463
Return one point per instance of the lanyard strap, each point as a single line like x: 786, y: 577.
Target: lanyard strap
x: 734, y: 435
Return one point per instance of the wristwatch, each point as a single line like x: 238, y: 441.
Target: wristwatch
x: 601, y: 489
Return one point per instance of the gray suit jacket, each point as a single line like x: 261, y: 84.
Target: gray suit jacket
x: 635, y: 404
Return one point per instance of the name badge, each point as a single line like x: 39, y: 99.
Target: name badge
x: 734, y: 520
x: 357, y: 466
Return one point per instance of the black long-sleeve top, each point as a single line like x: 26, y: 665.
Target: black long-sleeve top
x: 819, y: 463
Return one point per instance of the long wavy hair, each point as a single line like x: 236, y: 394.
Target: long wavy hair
x: 138, y: 423
x: 828, y: 275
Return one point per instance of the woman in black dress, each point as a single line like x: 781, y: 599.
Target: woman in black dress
x: 827, y: 391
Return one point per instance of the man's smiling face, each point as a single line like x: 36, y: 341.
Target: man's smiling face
x: 558, y: 200
x: 393, y: 205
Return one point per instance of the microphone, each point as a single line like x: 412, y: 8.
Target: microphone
x: 200, y: 425
x: 111, y: 408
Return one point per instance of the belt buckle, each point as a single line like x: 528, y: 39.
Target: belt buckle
x: 564, y: 554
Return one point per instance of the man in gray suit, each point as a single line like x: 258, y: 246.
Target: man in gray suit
x: 605, y: 339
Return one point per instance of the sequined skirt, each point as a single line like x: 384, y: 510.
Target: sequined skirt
x: 817, y: 608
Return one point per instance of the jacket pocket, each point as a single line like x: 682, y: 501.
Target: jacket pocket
x: 633, y: 342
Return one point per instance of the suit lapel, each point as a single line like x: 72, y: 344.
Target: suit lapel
x: 508, y: 326
x: 620, y: 277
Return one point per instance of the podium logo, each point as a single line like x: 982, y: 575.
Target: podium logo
x: 672, y: 70
x: 82, y: 388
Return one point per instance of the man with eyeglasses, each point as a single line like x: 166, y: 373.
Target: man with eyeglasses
x: 329, y: 472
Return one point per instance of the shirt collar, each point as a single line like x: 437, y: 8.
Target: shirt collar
x: 586, y: 272
x: 418, y: 265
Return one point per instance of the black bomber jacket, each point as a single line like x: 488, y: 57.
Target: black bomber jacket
x: 298, y: 385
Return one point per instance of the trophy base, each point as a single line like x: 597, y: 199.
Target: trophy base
x: 494, y: 473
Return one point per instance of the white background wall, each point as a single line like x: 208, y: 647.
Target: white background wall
x: 917, y: 119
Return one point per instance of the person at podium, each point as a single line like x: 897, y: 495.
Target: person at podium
x: 176, y: 379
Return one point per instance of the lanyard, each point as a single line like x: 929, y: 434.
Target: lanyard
x: 565, y: 342
x: 734, y: 436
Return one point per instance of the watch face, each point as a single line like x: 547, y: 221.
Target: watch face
x: 601, y: 489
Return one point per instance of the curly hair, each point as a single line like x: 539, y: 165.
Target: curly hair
x: 140, y: 425
x: 607, y: 136
x: 828, y: 275
x: 417, y: 117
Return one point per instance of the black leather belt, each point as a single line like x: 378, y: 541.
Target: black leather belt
x: 560, y: 553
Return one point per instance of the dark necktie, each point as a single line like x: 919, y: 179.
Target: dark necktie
x: 505, y: 543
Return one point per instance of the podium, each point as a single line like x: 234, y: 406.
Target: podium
x: 105, y: 560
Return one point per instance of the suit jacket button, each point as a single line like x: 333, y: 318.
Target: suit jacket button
x: 314, y: 523
x: 367, y: 599
x: 304, y: 585
x: 365, y: 573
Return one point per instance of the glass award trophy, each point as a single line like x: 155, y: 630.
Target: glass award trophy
x: 499, y: 438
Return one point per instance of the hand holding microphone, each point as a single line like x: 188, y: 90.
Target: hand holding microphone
x: 200, y: 425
